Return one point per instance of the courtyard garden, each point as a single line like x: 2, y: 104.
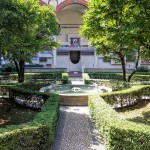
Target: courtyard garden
x: 28, y: 118
x: 121, y: 116
x: 119, y: 31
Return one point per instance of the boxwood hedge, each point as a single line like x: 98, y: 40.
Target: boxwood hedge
x: 127, y: 97
x: 32, y: 76
x: 35, y: 135
x: 118, y: 76
x: 118, y: 134
x: 33, y: 85
x: 65, y: 77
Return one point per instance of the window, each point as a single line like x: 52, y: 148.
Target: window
x: 43, y: 59
x: 62, y: 52
x: 87, y: 52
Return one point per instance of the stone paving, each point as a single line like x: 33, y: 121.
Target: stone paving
x: 75, y: 131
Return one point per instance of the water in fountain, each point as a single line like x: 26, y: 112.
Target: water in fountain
x: 72, y: 89
x: 75, y: 89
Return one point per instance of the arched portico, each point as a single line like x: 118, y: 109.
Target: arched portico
x: 69, y: 2
x: 74, y: 52
x: 69, y: 14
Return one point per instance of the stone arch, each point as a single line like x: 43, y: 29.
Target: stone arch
x: 68, y: 2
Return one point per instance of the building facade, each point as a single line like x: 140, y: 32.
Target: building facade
x: 74, y: 53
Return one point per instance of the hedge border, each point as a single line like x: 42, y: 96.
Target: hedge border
x: 32, y: 76
x: 127, y: 97
x: 118, y: 134
x: 65, y: 78
x: 35, y: 135
x: 118, y: 76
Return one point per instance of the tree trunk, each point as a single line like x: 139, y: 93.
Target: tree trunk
x: 123, y: 63
x: 20, y: 70
x: 136, y: 65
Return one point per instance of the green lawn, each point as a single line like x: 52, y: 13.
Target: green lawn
x: 139, y: 113
x: 16, y: 115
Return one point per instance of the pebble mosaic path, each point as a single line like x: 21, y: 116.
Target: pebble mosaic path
x: 75, y: 131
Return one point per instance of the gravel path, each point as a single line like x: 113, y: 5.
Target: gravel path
x: 75, y: 131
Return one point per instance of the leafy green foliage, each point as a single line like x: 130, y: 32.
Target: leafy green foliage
x: 25, y: 29
x: 34, y: 76
x: 65, y: 77
x: 115, y: 85
x: 38, y: 133
x: 86, y: 78
x: 118, y: 133
x: 142, y: 69
x: 139, y: 113
x: 115, y: 28
x: 8, y: 68
x: 105, y: 75
x: 16, y: 115
x: 118, y: 76
x: 127, y: 97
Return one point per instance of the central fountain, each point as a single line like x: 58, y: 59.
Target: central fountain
x: 76, y: 89
x: 75, y: 95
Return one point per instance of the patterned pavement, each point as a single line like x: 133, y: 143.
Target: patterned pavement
x: 75, y: 131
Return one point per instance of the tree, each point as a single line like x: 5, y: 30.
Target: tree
x: 25, y: 29
x: 142, y: 18
x: 111, y: 26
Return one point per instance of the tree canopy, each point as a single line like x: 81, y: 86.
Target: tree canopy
x: 113, y: 27
x: 25, y: 29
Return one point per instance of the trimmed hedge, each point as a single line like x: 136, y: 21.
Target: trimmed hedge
x: 105, y: 75
x: 35, y: 135
x: 143, y: 73
x: 65, y: 77
x: 127, y: 97
x: 33, y: 85
x: 118, y: 76
x: 32, y: 76
x: 86, y: 78
x: 118, y: 134
x: 115, y: 85
x: 140, y: 77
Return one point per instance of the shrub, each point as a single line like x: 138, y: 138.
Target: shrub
x: 33, y: 85
x: 34, y: 76
x: 65, y: 77
x: 8, y: 68
x: 141, y: 78
x: 118, y: 76
x: 86, y: 78
x: 118, y: 134
x: 142, y: 69
x: 127, y: 97
x: 105, y: 75
x: 35, y: 135
x: 115, y: 85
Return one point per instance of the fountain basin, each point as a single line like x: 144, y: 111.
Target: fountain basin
x: 74, y: 95
x: 71, y: 100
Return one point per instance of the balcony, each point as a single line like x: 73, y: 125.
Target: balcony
x: 80, y: 48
